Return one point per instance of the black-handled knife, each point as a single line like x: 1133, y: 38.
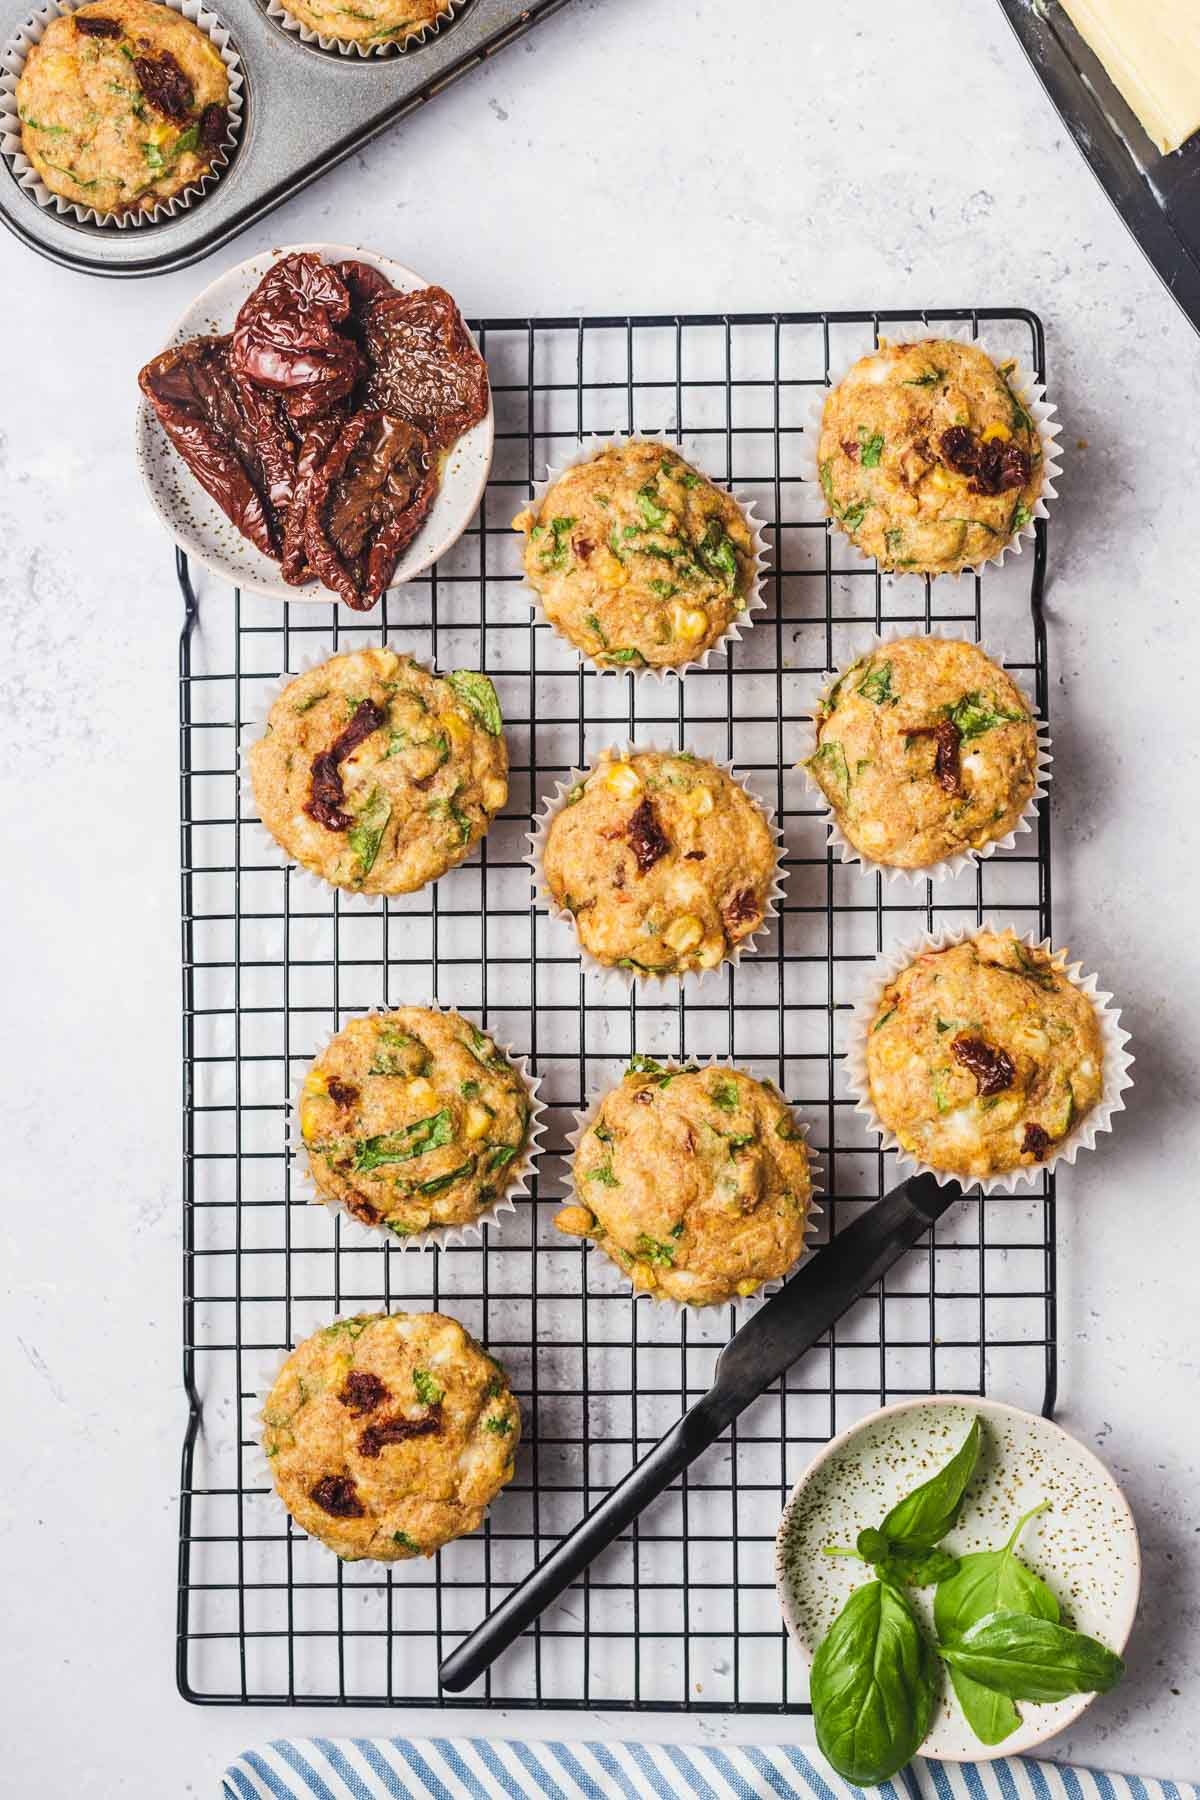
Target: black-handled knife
x: 769, y: 1342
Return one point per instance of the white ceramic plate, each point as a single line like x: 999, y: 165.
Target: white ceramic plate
x: 197, y: 523
x: 1085, y: 1546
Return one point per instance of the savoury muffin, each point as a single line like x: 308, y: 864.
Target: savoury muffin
x: 370, y: 23
x: 694, y: 1181
x: 663, y: 861
x: 981, y: 1057
x: 389, y: 1435
x: 638, y: 558
x: 413, y: 1119
x: 123, y: 104
x: 378, y: 776
x: 925, y: 749
x: 927, y: 457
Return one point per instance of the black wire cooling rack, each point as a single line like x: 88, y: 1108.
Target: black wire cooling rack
x: 681, y: 1614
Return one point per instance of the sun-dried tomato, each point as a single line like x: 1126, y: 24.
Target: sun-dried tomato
x: 947, y: 764
x: 285, y: 337
x: 327, y: 794
x: 583, y: 548
x: 342, y: 1093
x: 337, y: 1494
x: 995, y: 467
x: 319, y: 437
x: 362, y: 1392
x: 364, y: 284
x: 992, y: 1069
x: 646, y: 837
x: 92, y: 25
x: 366, y: 503
x: 741, y: 912
x: 397, y: 1430
x: 1036, y: 1142
x: 214, y: 124
x: 423, y: 365
x: 851, y: 448
x: 694, y: 855
x: 164, y: 84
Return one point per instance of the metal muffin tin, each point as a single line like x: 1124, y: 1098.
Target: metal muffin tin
x: 306, y: 109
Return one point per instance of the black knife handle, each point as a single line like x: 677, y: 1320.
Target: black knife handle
x: 830, y: 1283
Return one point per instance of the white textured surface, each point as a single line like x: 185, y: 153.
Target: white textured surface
x: 632, y: 156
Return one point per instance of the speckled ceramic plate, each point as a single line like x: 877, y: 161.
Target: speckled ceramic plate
x: 1085, y: 1546
x: 197, y: 523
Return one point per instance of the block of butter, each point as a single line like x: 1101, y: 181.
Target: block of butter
x: 1150, y: 50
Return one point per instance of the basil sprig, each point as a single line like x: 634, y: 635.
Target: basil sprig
x: 1033, y: 1659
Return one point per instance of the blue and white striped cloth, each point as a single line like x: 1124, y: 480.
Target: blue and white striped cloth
x: 486, y: 1769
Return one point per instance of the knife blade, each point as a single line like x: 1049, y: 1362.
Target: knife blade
x: 769, y: 1342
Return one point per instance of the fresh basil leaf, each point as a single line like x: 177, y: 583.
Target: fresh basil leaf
x: 366, y: 834
x: 403, y: 1145
x: 715, y: 553
x: 871, y: 449
x: 991, y: 1716
x: 923, y: 1518
x: 976, y: 713
x: 437, y: 1184
x: 831, y: 758
x: 873, y: 1686
x: 876, y: 685
x: 479, y: 697
x: 1033, y: 1659
x: 989, y: 1581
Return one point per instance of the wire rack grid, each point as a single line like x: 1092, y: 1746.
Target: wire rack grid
x: 681, y: 1613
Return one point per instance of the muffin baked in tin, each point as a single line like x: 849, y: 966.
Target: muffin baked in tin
x: 368, y: 25
x: 388, y: 1435
x: 378, y: 776
x: 694, y: 1181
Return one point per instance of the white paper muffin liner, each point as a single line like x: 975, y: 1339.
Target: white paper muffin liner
x: 586, y: 451
x: 1081, y: 1137
x: 12, y: 63
x: 353, y: 46
x: 260, y: 1377
x: 630, y: 979
x: 949, y: 866
x: 515, y: 1189
x: 252, y: 730
x: 1030, y: 392
x: 742, y: 1303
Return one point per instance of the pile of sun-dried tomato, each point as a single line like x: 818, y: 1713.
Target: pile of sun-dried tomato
x: 318, y: 425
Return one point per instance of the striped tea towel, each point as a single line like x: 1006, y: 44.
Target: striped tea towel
x: 485, y: 1769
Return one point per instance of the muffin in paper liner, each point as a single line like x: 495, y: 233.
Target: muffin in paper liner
x: 743, y: 1304
x: 593, y: 446
x: 1082, y: 1136
x: 357, y: 47
x: 27, y: 178
x: 1032, y: 394
x: 631, y: 979
x: 364, y: 1234
x: 949, y: 866
x: 260, y: 1377
x: 272, y: 687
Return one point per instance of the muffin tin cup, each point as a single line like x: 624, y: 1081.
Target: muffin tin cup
x: 631, y: 979
x: 949, y: 866
x: 261, y: 1377
x: 1082, y: 1136
x: 1032, y: 394
x: 26, y: 175
x: 365, y: 1235
x: 586, y: 451
x: 742, y: 1304
x: 351, y: 899
x: 355, y: 46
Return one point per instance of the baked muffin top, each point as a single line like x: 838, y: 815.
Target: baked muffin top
x: 638, y: 558
x: 663, y: 861
x: 377, y: 775
x: 123, y: 104
x: 371, y: 23
x: 982, y: 1057
x: 389, y: 1434
x: 925, y: 748
x: 694, y: 1181
x: 928, y: 458
x: 413, y: 1119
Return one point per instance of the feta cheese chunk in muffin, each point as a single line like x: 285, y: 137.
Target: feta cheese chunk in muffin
x: 638, y: 558
x: 377, y: 775
x: 928, y: 457
x: 388, y: 1435
x: 983, y: 1056
x: 925, y: 749
x: 663, y: 861
x: 414, y: 1119
x: 695, y: 1181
